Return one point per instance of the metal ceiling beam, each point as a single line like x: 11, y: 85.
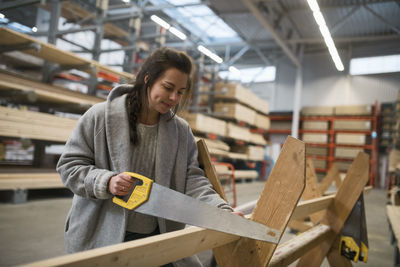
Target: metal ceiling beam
x: 340, y: 4
x: 17, y: 4
x: 393, y: 27
x: 238, y: 55
x: 371, y: 38
x: 256, y: 12
x: 343, y: 20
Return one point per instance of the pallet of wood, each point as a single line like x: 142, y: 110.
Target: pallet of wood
x: 237, y: 132
x: 205, y: 124
x: 315, y: 138
x: 236, y: 92
x: 350, y: 139
x: 357, y: 125
x: 255, y: 153
x: 33, y: 180
x: 235, y: 111
x: 354, y: 110
x: 262, y: 121
x: 35, y: 125
x: 317, y: 111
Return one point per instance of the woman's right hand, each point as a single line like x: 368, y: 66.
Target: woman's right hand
x: 121, y: 184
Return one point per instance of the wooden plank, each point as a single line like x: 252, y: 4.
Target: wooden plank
x: 30, y: 183
x: 208, y: 167
x: 312, y: 191
x: 393, y: 213
x: 51, y: 53
x: 340, y: 208
x: 274, y: 207
x: 151, y: 251
x: 46, y: 92
x: 307, y: 207
x: 293, y: 249
x: 300, y: 225
x: 35, y: 125
x: 332, y: 175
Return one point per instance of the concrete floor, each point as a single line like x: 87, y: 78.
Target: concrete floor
x: 34, y: 230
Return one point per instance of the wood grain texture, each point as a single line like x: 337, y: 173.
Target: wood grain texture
x: 332, y: 175
x: 312, y: 191
x: 340, y: 208
x: 293, y: 249
x: 35, y: 125
x: 279, y: 198
x: 208, y: 167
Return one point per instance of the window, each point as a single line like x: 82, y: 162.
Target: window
x: 375, y: 65
x: 257, y: 75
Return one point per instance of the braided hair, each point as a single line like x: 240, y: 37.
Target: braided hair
x: 154, y: 67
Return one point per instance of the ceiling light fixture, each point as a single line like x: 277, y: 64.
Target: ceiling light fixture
x: 319, y: 18
x: 177, y: 33
x: 210, y: 54
x: 34, y: 29
x: 160, y: 21
x: 166, y: 25
x: 234, y: 70
x: 2, y: 16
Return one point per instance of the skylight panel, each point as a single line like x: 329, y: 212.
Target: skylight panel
x: 375, y: 65
x: 183, y: 2
x: 248, y: 75
x: 198, y: 11
x: 200, y: 20
x: 220, y: 30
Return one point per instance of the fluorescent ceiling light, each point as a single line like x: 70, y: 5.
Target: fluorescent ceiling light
x: 319, y: 18
x: 234, y: 70
x: 210, y: 54
x: 313, y: 5
x: 177, y: 33
x: 160, y: 21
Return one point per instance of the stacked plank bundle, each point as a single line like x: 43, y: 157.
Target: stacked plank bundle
x: 239, y: 118
x: 338, y: 134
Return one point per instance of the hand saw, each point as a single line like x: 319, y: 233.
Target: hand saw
x: 156, y: 200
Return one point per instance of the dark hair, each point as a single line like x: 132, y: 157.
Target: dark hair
x: 155, y: 65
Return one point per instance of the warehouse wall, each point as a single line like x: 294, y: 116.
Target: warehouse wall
x: 323, y: 85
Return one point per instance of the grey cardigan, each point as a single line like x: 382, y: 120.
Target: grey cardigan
x: 99, y: 148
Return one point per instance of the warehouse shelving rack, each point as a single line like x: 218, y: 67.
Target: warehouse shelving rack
x: 331, y: 144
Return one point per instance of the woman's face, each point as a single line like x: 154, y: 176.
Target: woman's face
x: 167, y: 90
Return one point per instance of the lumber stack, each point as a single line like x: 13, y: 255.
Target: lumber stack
x: 25, y: 180
x: 34, y: 125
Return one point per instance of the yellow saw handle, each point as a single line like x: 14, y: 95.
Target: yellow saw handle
x: 139, y: 195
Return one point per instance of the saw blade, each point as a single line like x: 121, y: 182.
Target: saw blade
x: 172, y: 205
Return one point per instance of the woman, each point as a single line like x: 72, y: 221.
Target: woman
x: 135, y: 130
